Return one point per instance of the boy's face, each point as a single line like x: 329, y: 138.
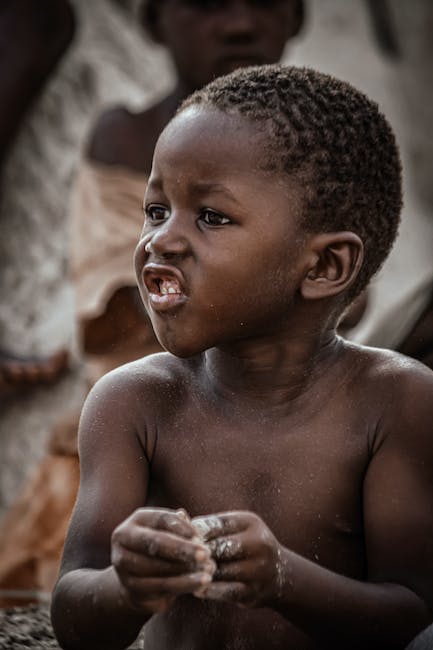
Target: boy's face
x: 209, y: 38
x: 221, y: 254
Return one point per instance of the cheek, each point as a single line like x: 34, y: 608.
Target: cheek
x: 276, y: 34
x: 257, y: 287
x: 139, y: 259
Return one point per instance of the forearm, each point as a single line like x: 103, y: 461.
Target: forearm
x: 89, y: 612
x: 341, y: 612
x: 33, y: 38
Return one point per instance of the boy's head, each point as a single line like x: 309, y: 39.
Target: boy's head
x: 332, y: 141
x: 273, y: 190
x: 209, y: 38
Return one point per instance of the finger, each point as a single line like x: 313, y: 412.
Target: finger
x: 236, y: 592
x: 175, y: 522
x: 157, y: 543
x: 225, y: 549
x: 225, y: 523
x: 159, y: 604
x: 156, y: 588
x: 137, y: 564
x: 236, y: 571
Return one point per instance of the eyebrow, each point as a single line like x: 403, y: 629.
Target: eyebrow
x: 200, y: 188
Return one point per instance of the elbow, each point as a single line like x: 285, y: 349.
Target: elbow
x: 61, y: 622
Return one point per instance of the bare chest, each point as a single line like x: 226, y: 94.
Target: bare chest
x: 304, y: 481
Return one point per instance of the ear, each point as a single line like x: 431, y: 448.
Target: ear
x: 335, y: 261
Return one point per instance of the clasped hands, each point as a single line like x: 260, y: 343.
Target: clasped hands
x: 160, y: 554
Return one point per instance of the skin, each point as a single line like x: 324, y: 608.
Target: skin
x: 205, y: 40
x: 303, y: 462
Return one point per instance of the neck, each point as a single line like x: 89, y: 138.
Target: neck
x: 269, y: 371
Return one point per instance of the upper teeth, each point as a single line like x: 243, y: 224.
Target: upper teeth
x: 168, y: 286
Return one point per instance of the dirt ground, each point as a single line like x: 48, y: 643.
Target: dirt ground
x: 30, y: 627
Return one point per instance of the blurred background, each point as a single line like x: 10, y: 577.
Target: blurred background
x: 105, y: 60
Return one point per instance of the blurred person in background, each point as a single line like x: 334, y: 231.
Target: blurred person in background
x: 33, y: 39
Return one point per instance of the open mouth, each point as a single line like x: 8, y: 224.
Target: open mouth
x: 164, y: 287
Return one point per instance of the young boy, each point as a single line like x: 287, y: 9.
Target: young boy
x: 263, y: 484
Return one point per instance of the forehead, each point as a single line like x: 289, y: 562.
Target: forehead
x: 203, y: 151
x: 213, y: 141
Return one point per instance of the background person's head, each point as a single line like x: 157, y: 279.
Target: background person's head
x: 209, y: 38
x: 333, y: 141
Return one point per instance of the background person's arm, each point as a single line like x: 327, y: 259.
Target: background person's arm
x: 33, y: 38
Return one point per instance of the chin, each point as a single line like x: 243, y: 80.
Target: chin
x: 182, y: 353
x: 181, y: 349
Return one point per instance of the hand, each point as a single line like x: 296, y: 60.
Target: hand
x: 248, y: 556
x: 157, y: 556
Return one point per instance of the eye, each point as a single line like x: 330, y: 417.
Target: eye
x: 212, y: 218
x: 155, y: 213
x: 204, y: 5
x: 265, y: 4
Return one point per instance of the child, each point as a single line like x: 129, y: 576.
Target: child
x: 263, y: 484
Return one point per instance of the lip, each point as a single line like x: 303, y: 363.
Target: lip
x: 152, y: 275
x: 240, y: 58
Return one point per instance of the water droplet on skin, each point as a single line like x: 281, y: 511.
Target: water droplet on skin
x: 280, y: 577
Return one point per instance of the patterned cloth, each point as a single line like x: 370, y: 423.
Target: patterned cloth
x: 106, y: 221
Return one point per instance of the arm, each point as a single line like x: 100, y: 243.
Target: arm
x: 33, y: 38
x: 393, y: 604
x: 121, y: 562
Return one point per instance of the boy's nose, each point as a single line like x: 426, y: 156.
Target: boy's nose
x: 239, y: 20
x: 167, y: 241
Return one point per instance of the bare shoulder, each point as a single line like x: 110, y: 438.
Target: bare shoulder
x: 138, y: 389
x: 126, y: 408
x: 402, y: 377
x: 401, y: 391
x: 121, y: 137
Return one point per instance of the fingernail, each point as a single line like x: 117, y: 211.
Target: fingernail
x: 200, y: 592
x: 201, y: 555
x: 204, y: 578
x: 183, y: 513
x: 209, y: 567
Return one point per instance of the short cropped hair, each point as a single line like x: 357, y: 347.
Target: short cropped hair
x: 332, y: 140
